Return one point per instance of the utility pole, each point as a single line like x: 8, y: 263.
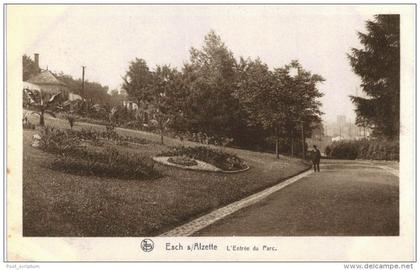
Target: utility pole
x: 355, y: 123
x: 303, y: 142
x: 83, y: 88
x: 83, y: 81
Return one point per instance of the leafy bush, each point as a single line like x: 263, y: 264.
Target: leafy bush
x: 91, y: 135
x: 85, y: 134
x: 215, y: 157
x: 344, y: 150
x: 379, y: 149
x: 122, y: 140
x: 59, y: 142
x: 28, y: 125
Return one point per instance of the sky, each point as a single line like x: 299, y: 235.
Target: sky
x: 106, y: 38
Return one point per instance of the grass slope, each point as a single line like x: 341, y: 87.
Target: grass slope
x: 59, y: 204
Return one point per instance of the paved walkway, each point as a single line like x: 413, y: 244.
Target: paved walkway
x: 206, y: 220
x: 345, y: 198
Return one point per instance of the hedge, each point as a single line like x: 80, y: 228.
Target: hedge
x: 378, y: 149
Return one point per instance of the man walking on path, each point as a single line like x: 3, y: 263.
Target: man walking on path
x: 316, y: 158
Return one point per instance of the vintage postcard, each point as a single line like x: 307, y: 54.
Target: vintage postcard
x: 196, y: 132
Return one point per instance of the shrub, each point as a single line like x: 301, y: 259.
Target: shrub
x: 344, y: 150
x: 378, y: 149
x: 218, y: 158
x: 122, y: 140
x: 137, y: 140
x: 201, y: 137
x: 58, y: 142
x: 28, y: 125
x: 85, y: 134
x: 90, y: 135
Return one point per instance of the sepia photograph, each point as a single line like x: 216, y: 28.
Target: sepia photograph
x: 230, y: 125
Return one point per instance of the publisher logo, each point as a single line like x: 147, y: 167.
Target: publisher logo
x: 147, y: 245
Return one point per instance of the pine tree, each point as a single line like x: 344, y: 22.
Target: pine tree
x: 378, y: 65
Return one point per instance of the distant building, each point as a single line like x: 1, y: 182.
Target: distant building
x: 341, y: 120
x: 45, y: 82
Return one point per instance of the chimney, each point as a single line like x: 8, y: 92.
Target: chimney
x: 36, y: 57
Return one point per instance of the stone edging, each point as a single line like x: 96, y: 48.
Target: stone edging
x: 237, y: 171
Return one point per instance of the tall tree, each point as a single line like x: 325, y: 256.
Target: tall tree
x: 93, y: 92
x: 302, y: 96
x: 261, y: 97
x: 210, y: 78
x: 277, y: 101
x: 163, y: 85
x: 378, y: 65
x: 137, y: 81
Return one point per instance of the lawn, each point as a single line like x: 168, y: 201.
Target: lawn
x: 59, y: 204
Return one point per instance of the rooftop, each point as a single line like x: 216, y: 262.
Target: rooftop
x: 45, y: 77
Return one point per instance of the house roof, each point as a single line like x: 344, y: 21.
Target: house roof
x: 45, y: 77
x: 31, y: 86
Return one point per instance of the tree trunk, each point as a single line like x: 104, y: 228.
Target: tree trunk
x: 161, y: 131
x: 41, y: 119
x: 292, y: 144
x: 303, y: 143
x: 277, y: 144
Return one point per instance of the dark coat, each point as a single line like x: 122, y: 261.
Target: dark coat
x: 316, y: 155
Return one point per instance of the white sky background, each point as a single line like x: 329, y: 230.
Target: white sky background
x: 107, y: 38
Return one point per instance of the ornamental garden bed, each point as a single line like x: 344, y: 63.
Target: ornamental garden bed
x: 82, y: 153
x: 198, y: 166
x: 218, y: 159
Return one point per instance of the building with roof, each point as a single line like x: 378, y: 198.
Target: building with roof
x: 45, y: 82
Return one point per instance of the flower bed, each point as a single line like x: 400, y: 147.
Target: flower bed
x: 75, y: 157
x: 218, y: 158
x: 184, y: 161
x: 108, y: 163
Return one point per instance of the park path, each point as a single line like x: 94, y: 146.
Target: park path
x: 352, y: 198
